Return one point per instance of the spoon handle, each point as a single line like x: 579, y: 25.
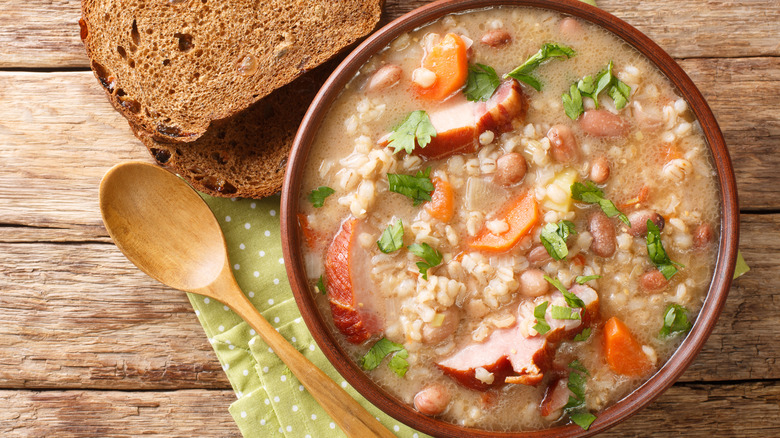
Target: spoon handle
x: 353, y: 419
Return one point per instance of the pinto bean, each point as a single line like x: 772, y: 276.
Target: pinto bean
x: 602, y: 123
x: 603, y: 231
x: 599, y: 171
x: 563, y: 144
x: 639, y: 220
x: 434, y: 335
x: 432, y: 400
x: 570, y: 27
x: 496, y: 38
x: 702, y: 237
x: 653, y: 281
x: 532, y: 283
x: 384, y: 78
x: 510, y: 169
x: 538, y: 256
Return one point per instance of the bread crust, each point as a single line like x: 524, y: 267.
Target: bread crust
x: 174, y: 67
x: 244, y: 155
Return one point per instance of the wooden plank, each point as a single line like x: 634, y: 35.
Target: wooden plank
x: 61, y: 136
x: 117, y: 414
x: 45, y: 33
x: 749, y: 410
x: 81, y: 316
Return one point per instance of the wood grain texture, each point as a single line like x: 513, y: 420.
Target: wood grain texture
x: 86, y: 137
x: 749, y: 410
x: 45, y: 33
x: 118, y: 414
x: 80, y: 315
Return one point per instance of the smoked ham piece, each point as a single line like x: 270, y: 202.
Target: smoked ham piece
x: 459, y: 122
x: 514, y: 358
x: 349, y: 285
x: 505, y: 353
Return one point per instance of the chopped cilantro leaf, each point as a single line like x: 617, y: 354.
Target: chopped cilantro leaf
x: 571, y: 299
x: 392, y: 238
x: 541, y: 325
x: 381, y: 349
x: 591, y: 194
x: 582, y: 279
x: 554, y: 237
x: 321, y: 286
x: 418, y: 187
x: 577, y: 365
x: 563, y: 312
x: 481, y: 83
x: 431, y: 256
x: 582, y: 419
x: 656, y: 252
x: 675, y: 321
x: 576, y: 407
x: 589, y: 87
x: 572, y: 103
x: 415, y: 130
x: 318, y: 195
x: 548, y: 51
x: 582, y: 336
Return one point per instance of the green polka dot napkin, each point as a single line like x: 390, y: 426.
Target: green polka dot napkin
x: 271, y: 402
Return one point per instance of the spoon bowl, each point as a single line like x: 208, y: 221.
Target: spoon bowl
x: 163, y: 226
x: 167, y: 230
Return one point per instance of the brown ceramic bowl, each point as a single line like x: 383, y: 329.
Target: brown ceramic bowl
x: 719, y: 287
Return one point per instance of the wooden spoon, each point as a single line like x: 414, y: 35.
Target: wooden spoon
x: 164, y: 227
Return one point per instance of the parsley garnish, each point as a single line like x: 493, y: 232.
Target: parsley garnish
x: 481, y: 83
x: 577, y: 365
x: 571, y: 299
x: 675, y: 321
x: 590, y: 87
x: 547, y: 52
x: 392, y: 238
x: 591, y: 194
x: 318, y: 195
x: 572, y: 103
x: 563, y: 312
x: 382, y: 349
x: 582, y: 336
x: 321, y: 286
x: 582, y: 279
x: 541, y: 325
x: 417, y: 126
x: 418, y: 187
x: 656, y: 252
x: 554, y: 237
x: 576, y: 407
x: 431, y: 256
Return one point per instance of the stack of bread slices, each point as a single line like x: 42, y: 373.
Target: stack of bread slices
x: 216, y: 89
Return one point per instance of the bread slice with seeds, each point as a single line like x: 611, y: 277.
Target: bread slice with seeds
x: 244, y: 155
x: 172, y: 67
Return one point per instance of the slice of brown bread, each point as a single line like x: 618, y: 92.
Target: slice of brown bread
x: 244, y: 155
x: 171, y: 67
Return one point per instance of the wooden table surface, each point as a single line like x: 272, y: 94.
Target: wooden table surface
x: 91, y: 346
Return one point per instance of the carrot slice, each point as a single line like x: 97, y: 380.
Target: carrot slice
x: 521, y: 214
x: 641, y: 197
x: 449, y: 61
x: 442, y: 204
x: 623, y: 352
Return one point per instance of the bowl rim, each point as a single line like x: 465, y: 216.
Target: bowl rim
x: 727, y: 250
